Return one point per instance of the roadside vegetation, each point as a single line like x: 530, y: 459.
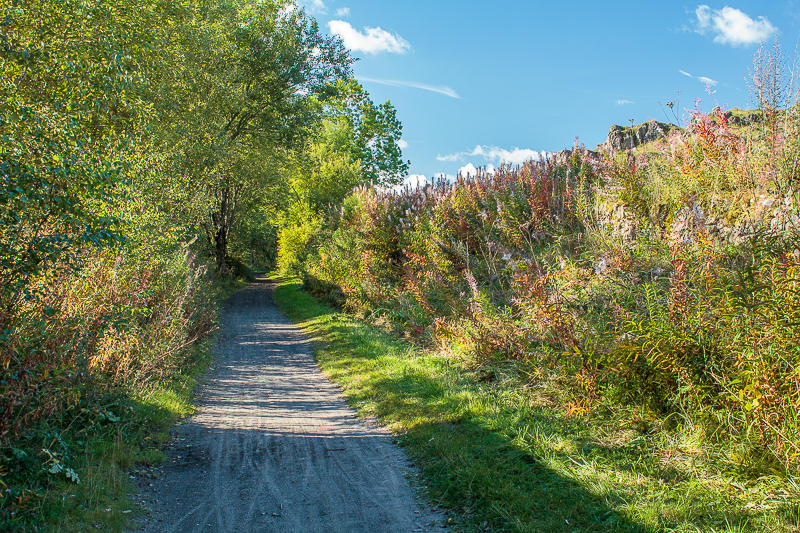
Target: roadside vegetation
x: 644, y: 302
x: 500, y: 455
x: 150, y: 151
x: 597, y: 341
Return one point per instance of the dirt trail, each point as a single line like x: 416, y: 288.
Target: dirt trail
x: 273, y: 447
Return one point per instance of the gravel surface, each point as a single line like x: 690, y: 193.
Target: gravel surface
x: 274, y: 447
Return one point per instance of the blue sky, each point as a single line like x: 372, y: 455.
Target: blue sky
x: 479, y: 83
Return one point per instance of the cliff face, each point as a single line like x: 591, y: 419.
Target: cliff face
x: 627, y: 138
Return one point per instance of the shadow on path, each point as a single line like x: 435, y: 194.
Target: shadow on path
x: 457, y: 436
x: 273, y: 447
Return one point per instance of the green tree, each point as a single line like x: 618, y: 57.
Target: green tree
x: 240, y: 104
x: 71, y: 96
x: 355, y: 143
x: 374, y: 133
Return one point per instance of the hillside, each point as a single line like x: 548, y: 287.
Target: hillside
x: 653, y: 286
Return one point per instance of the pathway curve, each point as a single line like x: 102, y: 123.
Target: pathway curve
x: 274, y: 447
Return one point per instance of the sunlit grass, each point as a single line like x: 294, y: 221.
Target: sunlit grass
x: 496, y: 458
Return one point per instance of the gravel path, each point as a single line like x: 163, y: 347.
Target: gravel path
x: 273, y: 447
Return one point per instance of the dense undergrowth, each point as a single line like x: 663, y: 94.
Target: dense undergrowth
x: 95, y: 368
x: 655, y: 277
x: 500, y: 455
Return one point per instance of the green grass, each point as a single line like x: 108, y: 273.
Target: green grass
x: 500, y: 459
x: 110, y: 451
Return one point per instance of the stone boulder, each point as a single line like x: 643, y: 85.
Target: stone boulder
x: 563, y: 157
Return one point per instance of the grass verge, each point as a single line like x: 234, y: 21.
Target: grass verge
x: 103, y: 498
x: 499, y: 460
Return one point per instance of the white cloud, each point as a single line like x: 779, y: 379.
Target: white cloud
x: 371, y: 40
x: 402, y: 144
x: 468, y: 170
x: 705, y: 80
x: 623, y: 101
x: 316, y: 7
x: 732, y: 26
x: 440, y: 89
x: 514, y: 156
x: 343, y: 12
x: 450, y: 158
x: 415, y: 180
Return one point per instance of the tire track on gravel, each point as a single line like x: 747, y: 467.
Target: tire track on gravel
x: 274, y: 447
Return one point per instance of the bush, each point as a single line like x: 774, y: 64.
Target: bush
x: 77, y: 355
x: 293, y: 246
x: 519, y: 266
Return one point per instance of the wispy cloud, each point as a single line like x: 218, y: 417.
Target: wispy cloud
x: 316, y: 7
x: 705, y: 80
x: 451, y: 158
x: 440, y: 89
x: 402, y: 144
x: 514, y: 156
x: 732, y: 26
x: 623, y: 101
x: 343, y: 12
x: 371, y: 40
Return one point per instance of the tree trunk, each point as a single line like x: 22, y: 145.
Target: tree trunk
x: 221, y: 249
x: 222, y: 226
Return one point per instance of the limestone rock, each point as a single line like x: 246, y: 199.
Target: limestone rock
x: 626, y: 138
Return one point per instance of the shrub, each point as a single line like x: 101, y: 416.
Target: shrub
x: 72, y: 357
x: 517, y: 266
x: 293, y: 246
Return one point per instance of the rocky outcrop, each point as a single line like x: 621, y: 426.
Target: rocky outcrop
x: 627, y: 138
x: 731, y: 219
x: 563, y: 157
x: 736, y: 219
x: 740, y: 118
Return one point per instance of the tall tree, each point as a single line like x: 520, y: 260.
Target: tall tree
x: 242, y: 102
x: 356, y: 143
x: 374, y: 132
